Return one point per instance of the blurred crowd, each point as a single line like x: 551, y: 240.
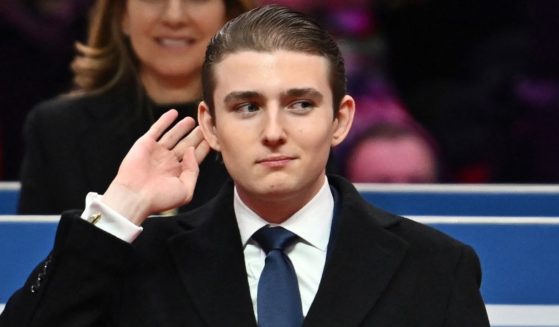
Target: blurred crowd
x: 446, y: 90
x: 36, y: 47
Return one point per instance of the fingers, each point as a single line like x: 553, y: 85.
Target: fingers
x: 202, y: 151
x: 170, y: 139
x: 194, y: 139
x: 180, y: 137
x: 161, y: 125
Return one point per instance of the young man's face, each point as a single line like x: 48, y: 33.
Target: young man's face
x: 274, y: 123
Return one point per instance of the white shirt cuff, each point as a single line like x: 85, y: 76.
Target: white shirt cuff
x: 111, y: 221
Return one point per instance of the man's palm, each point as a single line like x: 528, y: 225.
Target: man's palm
x: 160, y: 170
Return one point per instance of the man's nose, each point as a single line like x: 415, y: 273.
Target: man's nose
x: 274, y: 128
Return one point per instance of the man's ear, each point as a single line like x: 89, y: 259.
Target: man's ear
x: 207, y: 124
x: 343, y: 120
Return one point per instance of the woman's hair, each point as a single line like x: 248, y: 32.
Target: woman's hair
x: 107, y: 58
x: 270, y: 28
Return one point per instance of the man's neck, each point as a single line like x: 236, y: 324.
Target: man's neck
x: 312, y: 222
x: 277, y: 208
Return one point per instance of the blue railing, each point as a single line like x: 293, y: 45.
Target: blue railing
x: 513, y: 228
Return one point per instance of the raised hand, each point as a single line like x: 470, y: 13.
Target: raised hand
x: 160, y: 170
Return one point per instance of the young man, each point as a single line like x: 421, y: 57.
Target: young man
x: 274, y: 105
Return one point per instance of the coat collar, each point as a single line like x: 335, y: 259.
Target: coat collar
x: 211, y: 264
x: 365, y: 257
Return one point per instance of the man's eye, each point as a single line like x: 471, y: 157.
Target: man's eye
x: 302, y: 106
x: 247, y: 108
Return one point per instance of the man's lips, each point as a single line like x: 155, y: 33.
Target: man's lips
x: 275, y: 161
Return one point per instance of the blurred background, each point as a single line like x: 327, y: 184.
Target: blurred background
x: 447, y: 91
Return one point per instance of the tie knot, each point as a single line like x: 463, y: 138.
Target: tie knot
x: 273, y: 238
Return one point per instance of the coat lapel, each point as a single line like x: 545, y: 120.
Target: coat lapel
x: 363, y: 261
x: 211, y: 264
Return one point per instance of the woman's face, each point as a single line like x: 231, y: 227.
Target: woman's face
x: 170, y: 37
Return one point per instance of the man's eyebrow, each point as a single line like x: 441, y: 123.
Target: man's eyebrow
x: 241, y: 95
x: 296, y: 92
x: 304, y: 92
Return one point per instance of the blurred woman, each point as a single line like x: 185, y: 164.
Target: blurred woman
x: 142, y: 58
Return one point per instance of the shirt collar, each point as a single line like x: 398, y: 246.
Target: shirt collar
x: 312, y: 222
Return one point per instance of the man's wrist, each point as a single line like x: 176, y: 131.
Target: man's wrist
x: 125, y: 203
x: 105, y: 218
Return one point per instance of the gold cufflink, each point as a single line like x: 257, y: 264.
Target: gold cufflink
x: 94, y: 218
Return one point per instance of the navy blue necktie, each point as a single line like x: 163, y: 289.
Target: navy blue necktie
x: 278, y: 300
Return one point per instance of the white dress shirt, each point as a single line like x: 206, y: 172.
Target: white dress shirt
x: 312, y: 224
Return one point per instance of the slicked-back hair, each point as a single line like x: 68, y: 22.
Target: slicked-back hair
x: 272, y: 28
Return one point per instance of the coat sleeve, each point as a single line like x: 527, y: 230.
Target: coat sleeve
x: 466, y: 307
x: 78, y: 282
